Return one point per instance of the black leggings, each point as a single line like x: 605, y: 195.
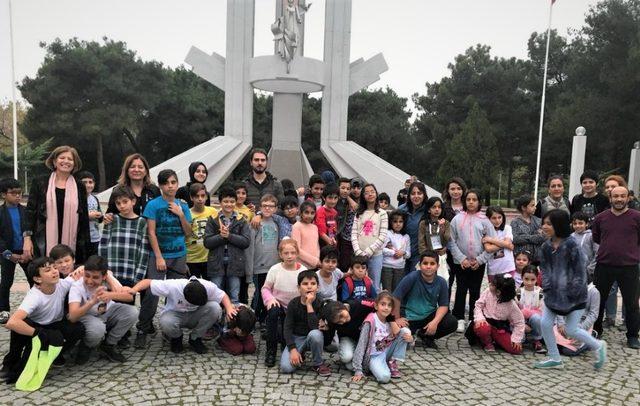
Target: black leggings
x: 468, y: 280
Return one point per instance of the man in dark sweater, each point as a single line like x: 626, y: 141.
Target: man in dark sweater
x: 260, y: 182
x: 618, y: 232
x: 301, y: 328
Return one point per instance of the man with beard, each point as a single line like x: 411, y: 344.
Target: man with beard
x: 260, y: 181
x: 617, y: 230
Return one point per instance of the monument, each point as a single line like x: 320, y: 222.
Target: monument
x: 289, y: 75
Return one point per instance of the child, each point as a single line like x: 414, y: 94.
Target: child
x: 434, y: 231
x: 565, y: 289
x: 305, y: 232
x: 279, y: 288
x: 241, y: 198
x: 125, y: 242
x: 501, y: 246
x: 190, y: 303
x: 226, y: 237
x: 198, y: 174
x: 316, y: 189
x: 497, y: 317
x: 91, y: 302
x: 422, y: 300
x: 357, y: 285
x: 589, y: 201
x: 570, y: 347
x: 530, y: 303
x: 41, y: 311
x: 63, y: 259
x: 197, y: 253
x: 238, y: 338
x: 95, y: 212
x: 382, y: 343
x: 369, y: 232
x: 347, y: 207
x: 328, y: 275
x: 326, y: 217
x: 527, y: 234
x: 522, y: 261
x: 468, y: 228
x: 397, y: 249
x: 289, y: 209
x: 262, y: 253
x: 169, y: 223
x: 385, y: 202
x: 301, y: 329
x: 11, y: 242
x: 582, y: 234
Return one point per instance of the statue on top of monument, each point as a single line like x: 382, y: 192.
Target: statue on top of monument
x: 286, y: 29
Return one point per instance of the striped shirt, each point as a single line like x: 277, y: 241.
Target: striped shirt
x: 125, y: 245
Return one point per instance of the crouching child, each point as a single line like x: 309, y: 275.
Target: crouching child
x: 238, y: 338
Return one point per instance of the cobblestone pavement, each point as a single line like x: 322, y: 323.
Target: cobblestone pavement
x: 453, y: 374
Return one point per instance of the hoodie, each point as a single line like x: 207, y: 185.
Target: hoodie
x: 467, y: 231
x: 183, y: 191
x: 588, y: 247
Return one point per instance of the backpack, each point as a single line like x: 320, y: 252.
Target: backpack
x: 347, y: 283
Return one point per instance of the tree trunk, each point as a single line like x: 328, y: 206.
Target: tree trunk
x: 100, y: 157
x: 509, y: 180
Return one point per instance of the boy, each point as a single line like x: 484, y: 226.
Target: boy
x: 63, y: 258
x: 95, y: 212
x: 237, y: 338
x: 590, y: 202
x: 11, y: 242
x: 241, y: 197
x: 345, y: 247
x: 357, y: 285
x: 191, y: 303
x: 316, y: 188
x: 168, y: 224
x: 422, y: 302
x: 301, y: 329
x: 290, y: 209
x: 197, y: 253
x: 93, y: 305
x: 41, y: 311
x: 125, y: 243
x: 226, y: 237
x: 326, y: 217
x: 328, y: 275
x: 582, y: 234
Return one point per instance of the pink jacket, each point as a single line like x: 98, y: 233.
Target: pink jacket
x: 487, y: 306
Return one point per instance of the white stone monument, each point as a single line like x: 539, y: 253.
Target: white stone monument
x: 577, y: 161
x: 634, y: 169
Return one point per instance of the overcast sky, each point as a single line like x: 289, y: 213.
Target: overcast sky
x: 418, y: 37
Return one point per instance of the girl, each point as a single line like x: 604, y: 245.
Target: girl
x: 555, y: 199
x: 382, y: 343
x: 415, y: 209
x: 498, y: 318
x: 369, y: 232
x: 530, y: 302
x: 527, y: 234
x: 501, y: 246
x: 279, y: 288
x: 565, y: 289
x: 523, y: 260
x: 396, y: 250
x: 434, y: 232
x: 241, y: 198
x: 468, y: 228
x: 198, y: 173
x: 454, y: 189
x: 305, y: 232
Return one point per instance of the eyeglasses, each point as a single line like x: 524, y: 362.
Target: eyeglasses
x: 14, y: 193
x: 268, y: 206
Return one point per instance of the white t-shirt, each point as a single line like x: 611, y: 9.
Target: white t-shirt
x: 328, y: 290
x: 80, y: 293
x: 502, y: 260
x: 173, y: 289
x: 46, y: 309
x: 381, y: 336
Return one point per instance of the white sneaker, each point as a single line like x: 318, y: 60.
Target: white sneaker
x: 461, y: 326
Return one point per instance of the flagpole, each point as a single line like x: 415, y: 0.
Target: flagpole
x: 544, y: 89
x: 13, y: 97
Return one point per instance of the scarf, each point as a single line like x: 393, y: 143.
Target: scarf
x: 556, y: 204
x: 70, y: 220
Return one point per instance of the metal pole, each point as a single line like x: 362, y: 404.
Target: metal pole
x: 544, y: 89
x: 13, y: 97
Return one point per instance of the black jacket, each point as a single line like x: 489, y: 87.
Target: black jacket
x: 36, y: 219
x: 6, y: 229
x: 149, y: 192
x: 237, y: 242
x: 255, y: 190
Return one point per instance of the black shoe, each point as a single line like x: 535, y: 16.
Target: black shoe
x: 124, y: 343
x: 141, y: 340
x: 634, y: 343
x: 429, y: 342
x: 83, y: 354
x: 198, y: 346
x: 59, y: 361
x: 176, y: 345
x: 270, y: 359
x: 111, y: 352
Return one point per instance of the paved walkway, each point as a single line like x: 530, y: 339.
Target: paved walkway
x: 453, y: 374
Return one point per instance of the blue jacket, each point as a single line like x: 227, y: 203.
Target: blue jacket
x: 412, y: 225
x: 564, y: 276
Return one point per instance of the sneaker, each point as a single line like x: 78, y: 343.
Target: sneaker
x: 4, y: 317
x: 634, y: 343
x: 111, y: 352
x: 83, y: 354
x: 176, y: 344
x: 538, y: 347
x: 429, y: 342
x: 489, y: 348
x: 461, y: 326
x: 60, y: 361
x: 141, y: 340
x: 124, y: 343
x: 322, y: 370
x: 601, y: 354
x: 549, y: 364
x: 393, y: 368
x: 197, y: 345
x: 270, y: 358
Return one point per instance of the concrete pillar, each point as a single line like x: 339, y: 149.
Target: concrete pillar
x: 634, y: 169
x: 577, y: 161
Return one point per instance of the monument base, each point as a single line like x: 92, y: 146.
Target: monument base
x: 288, y: 164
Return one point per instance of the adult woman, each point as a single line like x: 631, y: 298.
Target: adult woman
x: 198, y: 173
x: 555, y: 199
x: 135, y: 174
x: 415, y: 210
x: 57, y: 210
x: 527, y: 234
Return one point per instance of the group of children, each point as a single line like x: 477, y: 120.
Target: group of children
x: 312, y: 293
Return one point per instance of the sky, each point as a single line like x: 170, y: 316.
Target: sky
x: 418, y: 38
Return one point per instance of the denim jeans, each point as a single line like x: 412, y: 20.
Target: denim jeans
x: 374, y: 268
x: 611, y: 308
x: 314, y: 342
x: 534, y: 322
x: 571, y: 327
x: 230, y: 284
x: 378, y: 363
